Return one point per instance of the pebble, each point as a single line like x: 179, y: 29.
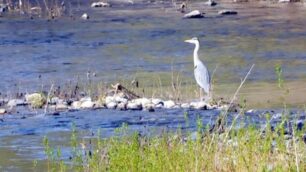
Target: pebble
x: 169, y: 104
x: 100, y: 4
x: 111, y: 105
x: 2, y: 111
x: 194, y: 14
x: 227, y: 12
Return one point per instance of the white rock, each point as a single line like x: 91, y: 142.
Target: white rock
x: 100, y: 4
x: 85, y: 99
x: 227, y: 12
x: 54, y: 100
x: 119, y: 99
x: 16, y: 102
x: 169, y: 104
x: 76, y: 105
x: 142, y: 101
x: 2, y: 111
x: 199, y: 105
x: 111, y: 105
x: 121, y: 106
x: 134, y: 106
x: 109, y: 99
x: 61, y: 107
x: 85, y: 16
x: 87, y: 104
x: 149, y: 106
x: 156, y: 101
x: 160, y: 105
x: 194, y: 14
x: 284, y: 1
x: 185, y: 105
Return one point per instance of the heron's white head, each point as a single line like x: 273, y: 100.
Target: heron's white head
x: 192, y: 40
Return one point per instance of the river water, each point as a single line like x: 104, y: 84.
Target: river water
x: 127, y: 39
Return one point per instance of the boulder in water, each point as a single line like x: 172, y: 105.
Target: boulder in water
x: 227, y: 12
x: 100, y: 4
x: 36, y: 100
x: 194, y: 14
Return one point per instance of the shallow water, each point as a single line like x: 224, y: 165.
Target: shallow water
x: 119, y: 42
x: 21, y: 134
x: 124, y: 40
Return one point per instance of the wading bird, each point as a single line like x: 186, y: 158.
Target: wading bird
x: 201, y: 73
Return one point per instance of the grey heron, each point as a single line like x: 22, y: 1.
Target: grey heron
x: 201, y: 72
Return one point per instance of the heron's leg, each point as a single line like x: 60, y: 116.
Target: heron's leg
x: 201, y: 98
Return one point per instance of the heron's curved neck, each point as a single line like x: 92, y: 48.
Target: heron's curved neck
x: 195, y: 53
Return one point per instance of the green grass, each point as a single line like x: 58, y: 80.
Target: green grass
x: 245, y: 149
x: 248, y: 148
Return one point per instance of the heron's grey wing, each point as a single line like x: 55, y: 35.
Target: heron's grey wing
x: 202, y: 76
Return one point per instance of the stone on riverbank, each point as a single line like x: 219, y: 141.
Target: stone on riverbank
x: 185, y: 105
x: 227, y: 12
x: 16, y: 102
x: 36, y: 100
x: 86, y: 103
x: 199, y: 105
x: 76, y: 105
x: 194, y: 14
x: 169, y: 104
x: 61, y: 107
x: 111, y: 105
x: 134, y: 106
x: 100, y: 4
x: 122, y: 106
x: 3, y: 8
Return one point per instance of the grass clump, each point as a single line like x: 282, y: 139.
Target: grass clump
x: 245, y: 149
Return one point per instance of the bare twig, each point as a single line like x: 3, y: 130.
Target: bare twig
x: 49, y: 93
x: 234, y: 97
x: 232, y: 101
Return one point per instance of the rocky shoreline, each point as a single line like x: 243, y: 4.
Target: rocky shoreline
x: 118, y: 98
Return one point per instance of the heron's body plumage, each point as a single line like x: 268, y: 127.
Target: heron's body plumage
x: 201, y: 72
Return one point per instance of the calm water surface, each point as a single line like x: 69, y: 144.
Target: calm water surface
x: 124, y: 40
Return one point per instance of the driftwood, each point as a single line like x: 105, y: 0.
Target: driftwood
x: 119, y: 89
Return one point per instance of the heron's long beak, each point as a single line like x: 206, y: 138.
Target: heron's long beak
x: 189, y: 41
